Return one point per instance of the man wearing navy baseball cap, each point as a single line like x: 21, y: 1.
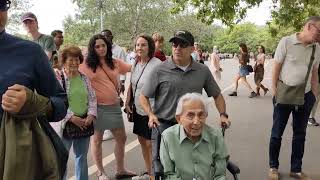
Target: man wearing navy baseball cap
x: 172, y: 79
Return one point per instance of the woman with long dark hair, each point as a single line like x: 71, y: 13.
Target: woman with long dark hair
x: 259, y: 70
x: 103, y: 72
x: 244, y: 59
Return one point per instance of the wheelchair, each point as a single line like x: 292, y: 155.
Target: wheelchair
x: 158, y: 168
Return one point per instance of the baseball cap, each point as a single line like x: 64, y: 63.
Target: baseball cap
x: 4, y: 5
x: 184, y: 36
x: 28, y: 15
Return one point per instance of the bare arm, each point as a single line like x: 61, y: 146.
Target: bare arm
x: 221, y: 107
x: 275, y: 76
x: 145, y: 103
x: 129, y: 99
x: 314, y: 80
x: 263, y: 58
x: 220, y: 103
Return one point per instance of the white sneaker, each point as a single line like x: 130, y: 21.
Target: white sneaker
x: 141, y: 177
x: 107, y: 135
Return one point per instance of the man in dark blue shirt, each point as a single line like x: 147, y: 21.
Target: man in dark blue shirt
x: 24, y: 69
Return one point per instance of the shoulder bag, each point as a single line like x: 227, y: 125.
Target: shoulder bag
x: 131, y: 103
x: 293, y: 95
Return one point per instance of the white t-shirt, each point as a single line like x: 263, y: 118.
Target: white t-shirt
x: 295, y: 57
x: 183, y: 68
x: 118, y: 53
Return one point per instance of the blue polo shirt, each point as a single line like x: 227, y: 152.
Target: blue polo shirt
x: 24, y: 62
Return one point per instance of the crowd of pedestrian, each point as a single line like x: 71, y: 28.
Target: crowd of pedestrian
x: 79, y: 92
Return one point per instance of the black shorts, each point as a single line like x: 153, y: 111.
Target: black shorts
x: 140, y: 126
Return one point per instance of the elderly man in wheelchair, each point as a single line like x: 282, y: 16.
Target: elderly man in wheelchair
x: 192, y: 150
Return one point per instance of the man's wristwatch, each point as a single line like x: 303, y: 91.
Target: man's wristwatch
x: 224, y: 114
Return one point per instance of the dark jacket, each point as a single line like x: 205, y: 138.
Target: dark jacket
x: 26, y: 151
x: 24, y: 62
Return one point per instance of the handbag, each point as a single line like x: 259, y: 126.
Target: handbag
x: 131, y: 116
x: 293, y: 95
x: 72, y: 131
x: 249, y: 68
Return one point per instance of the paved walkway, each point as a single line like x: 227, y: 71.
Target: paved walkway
x: 247, y: 140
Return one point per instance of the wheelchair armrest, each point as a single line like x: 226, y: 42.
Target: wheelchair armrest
x: 233, y: 168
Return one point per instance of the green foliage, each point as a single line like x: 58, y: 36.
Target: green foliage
x: 286, y: 14
x: 228, y: 40
x: 292, y: 14
x: 15, y: 12
x: 128, y: 18
x: 228, y: 11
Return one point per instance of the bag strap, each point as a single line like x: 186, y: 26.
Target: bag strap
x: 310, y: 64
x: 63, y: 81
x: 139, y: 77
x: 117, y: 87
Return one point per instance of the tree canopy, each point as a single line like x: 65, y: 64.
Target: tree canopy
x: 16, y: 10
x: 285, y: 13
x: 128, y: 18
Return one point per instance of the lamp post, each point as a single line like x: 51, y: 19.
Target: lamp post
x: 100, y: 7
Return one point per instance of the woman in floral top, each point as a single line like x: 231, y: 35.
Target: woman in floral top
x: 82, y: 109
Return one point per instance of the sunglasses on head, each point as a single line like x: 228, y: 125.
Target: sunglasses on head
x: 181, y: 44
x: 106, y: 34
x: 4, y: 6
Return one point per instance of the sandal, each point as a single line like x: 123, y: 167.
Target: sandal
x: 101, y: 176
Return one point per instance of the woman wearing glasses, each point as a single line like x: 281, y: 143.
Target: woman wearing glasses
x: 192, y: 149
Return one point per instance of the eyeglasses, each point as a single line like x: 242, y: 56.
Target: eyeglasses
x: 181, y: 44
x: 318, y: 29
x: 5, y: 6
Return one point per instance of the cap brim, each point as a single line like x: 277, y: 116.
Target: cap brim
x: 178, y: 38
x: 28, y: 18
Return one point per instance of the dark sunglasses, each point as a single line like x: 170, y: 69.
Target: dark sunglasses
x: 181, y: 44
x: 4, y: 6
